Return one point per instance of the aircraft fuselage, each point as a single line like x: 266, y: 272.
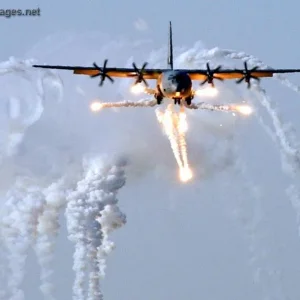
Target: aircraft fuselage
x: 175, y: 85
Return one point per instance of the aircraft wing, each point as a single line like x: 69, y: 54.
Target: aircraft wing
x: 112, y: 72
x: 224, y: 74
x: 195, y: 74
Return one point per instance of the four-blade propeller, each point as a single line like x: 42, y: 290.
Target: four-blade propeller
x: 102, y: 73
x: 210, y: 75
x: 140, y: 76
x: 247, y: 75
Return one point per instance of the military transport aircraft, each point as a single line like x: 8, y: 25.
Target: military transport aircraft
x: 174, y: 84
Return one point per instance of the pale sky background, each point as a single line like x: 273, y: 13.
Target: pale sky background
x: 180, y: 241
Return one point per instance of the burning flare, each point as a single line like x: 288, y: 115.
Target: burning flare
x: 96, y: 106
x: 207, y: 92
x: 185, y: 174
x: 175, y: 126
x: 182, y: 124
x: 137, y: 88
x: 244, y: 109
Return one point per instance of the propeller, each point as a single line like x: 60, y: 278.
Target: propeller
x: 102, y: 73
x: 247, y: 75
x: 210, y: 75
x: 140, y: 76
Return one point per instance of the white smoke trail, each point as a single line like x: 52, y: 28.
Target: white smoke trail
x: 92, y: 213
x: 25, y: 203
x: 289, y: 150
x: 47, y: 231
x: 13, y: 65
x: 233, y: 108
x: 283, y: 134
x: 250, y: 219
x: 288, y: 83
x: 293, y: 193
x: 75, y: 214
x: 285, y: 138
x: 247, y: 207
x: 97, y: 106
x: 23, y: 112
x: 251, y: 216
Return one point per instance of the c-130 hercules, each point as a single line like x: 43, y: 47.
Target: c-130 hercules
x: 174, y: 84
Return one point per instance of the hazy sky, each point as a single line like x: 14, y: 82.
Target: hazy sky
x: 180, y: 241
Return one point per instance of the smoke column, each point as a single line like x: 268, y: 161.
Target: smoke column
x: 92, y: 213
x: 47, y: 230
x: 25, y: 203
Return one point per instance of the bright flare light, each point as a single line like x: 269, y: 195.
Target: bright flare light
x: 96, y: 106
x: 244, y: 109
x: 182, y: 124
x: 137, y: 88
x: 207, y: 92
x: 185, y: 174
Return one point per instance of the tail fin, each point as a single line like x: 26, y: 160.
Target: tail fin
x: 170, y: 54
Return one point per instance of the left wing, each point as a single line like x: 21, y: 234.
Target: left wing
x: 221, y: 74
x: 237, y: 74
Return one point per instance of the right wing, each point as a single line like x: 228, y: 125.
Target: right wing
x: 112, y: 72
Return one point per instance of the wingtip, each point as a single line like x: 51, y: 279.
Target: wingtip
x: 41, y: 66
x: 38, y: 66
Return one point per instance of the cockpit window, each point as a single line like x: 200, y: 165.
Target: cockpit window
x: 175, y: 78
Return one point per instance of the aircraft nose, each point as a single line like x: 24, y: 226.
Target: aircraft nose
x: 181, y: 86
x: 183, y: 82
